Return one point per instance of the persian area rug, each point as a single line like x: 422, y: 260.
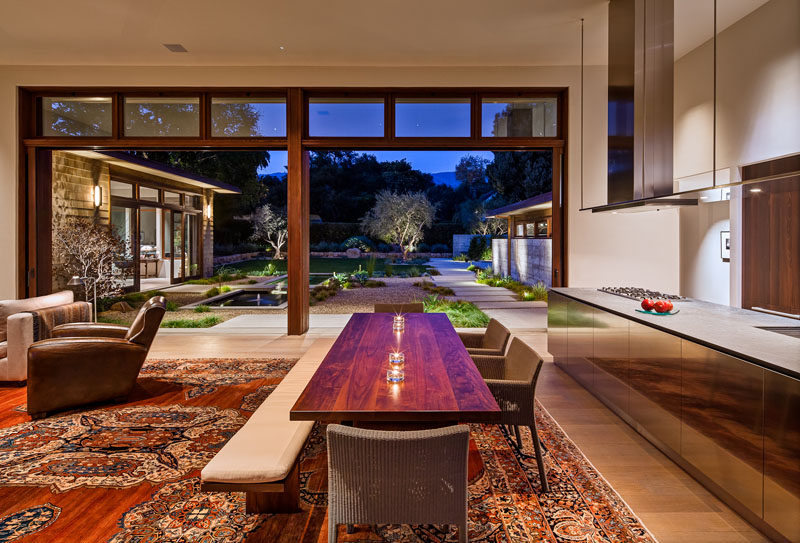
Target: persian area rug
x: 130, y: 472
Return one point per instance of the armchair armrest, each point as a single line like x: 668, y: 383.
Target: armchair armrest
x: 490, y: 367
x: 515, y: 399
x: 20, y: 337
x: 471, y: 339
x: 484, y: 352
x: 89, y: 329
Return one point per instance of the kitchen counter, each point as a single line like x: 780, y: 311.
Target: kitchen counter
x: 726, y: 329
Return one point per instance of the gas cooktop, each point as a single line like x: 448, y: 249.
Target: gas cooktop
x: 635, y: 293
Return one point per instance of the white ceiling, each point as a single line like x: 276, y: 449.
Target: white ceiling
x: 313, y: 32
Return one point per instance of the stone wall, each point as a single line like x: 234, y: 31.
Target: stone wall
x: 207, y: 233
x: 531, y: 259
x: 461, y: 243
x: 74, y: 178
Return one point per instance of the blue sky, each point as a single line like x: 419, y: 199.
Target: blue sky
x: 426, y: 161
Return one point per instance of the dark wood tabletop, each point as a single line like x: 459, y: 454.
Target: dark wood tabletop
x: 441, y: 383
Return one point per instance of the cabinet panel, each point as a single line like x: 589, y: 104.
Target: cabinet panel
x: 782, y: 454
x: 580, y: 318
x: 611, y: 360
x: 722, y: 431
x: 557, y: 327
x: 655, y: 383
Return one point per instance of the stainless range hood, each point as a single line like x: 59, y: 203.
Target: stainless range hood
x: 640, y: 107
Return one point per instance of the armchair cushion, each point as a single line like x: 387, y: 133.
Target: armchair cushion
x: 20, y: 335
x: 89, y: 329
x: 46, y: 319
x: 11, y: 307
x: 3, y: 349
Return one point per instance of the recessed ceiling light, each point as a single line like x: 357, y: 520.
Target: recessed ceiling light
x: 282, y: 48
x: 755, y: 190
x: 175, y: 47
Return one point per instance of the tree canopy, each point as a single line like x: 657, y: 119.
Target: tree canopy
x: 399, y: 218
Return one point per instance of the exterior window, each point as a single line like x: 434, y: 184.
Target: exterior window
x: 85, y: 116
x: 530, y: 230
x: 432, y: 118
x: 146, y: 193
x: 194, y: 202
x: 520, y: 230
x: 123, y: 190
x: 519, y: 117
x: 541, y: 229
x: 162, y: 117
x: 172, y: 198
x: 248, y: 117
x: 345, y: 117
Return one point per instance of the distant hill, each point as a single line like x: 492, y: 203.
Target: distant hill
x: 446, y: 178
x: 279, y: 175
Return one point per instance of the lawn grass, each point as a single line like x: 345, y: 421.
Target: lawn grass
x: 461, y: 314
x: 205, y: 322
x: 319, y: 265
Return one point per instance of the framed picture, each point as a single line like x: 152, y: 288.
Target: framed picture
x: 725, y: 245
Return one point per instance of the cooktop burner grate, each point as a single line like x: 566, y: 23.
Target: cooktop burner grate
x: 635, y: 293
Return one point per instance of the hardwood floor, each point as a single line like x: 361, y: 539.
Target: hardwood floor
x: 673, y: 506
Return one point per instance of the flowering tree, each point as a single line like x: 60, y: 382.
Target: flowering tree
x: 86, y: 249
x: 399, y: 218
x: 269, y: 226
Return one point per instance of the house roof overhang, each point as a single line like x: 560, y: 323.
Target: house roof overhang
x: 131, y: 162
x: 535, y: 203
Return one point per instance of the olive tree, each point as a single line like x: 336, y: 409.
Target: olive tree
x: 399, y: 218
x: 269, y: 226
x: 84, y: 248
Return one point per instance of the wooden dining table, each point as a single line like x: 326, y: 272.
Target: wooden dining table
x: 441, y: 386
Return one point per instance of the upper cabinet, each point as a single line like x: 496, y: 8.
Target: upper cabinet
x: 758, y: 84
x: 693, y: 95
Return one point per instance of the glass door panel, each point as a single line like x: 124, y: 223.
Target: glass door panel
x: 123, y: 226
x: 176, y: 238
x: 151, y: 252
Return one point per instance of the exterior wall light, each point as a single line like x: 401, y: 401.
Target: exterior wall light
x: 97, y: 195
x: 208, y: 211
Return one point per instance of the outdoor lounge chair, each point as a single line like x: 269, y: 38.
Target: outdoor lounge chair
x: 491, y: 342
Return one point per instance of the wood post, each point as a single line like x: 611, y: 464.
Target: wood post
x: 298, y: 216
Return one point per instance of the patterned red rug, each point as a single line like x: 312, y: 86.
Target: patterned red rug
x: 129, y: 473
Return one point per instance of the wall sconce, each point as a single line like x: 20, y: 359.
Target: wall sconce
x: 208, y: 211
x: 97, y: 195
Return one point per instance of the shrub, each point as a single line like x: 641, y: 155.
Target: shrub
x: 473, y: 268
x: 359, y: 242
x: 251, y: 281
x: 477, y: 245
x: 487, y: 253
x: 205, y: 322
x: 440, y: 248
x: 388, y: 269
x: 434, y: 271
x: 224, y: 288
x: 172, y: 306
x: 461, y: 258
x: 374, y: 284
x: 202, y: 309
x: 214, y: 291
x: 347, y: 285
x: 537, y: 292
x: 385, y: 248
x: 423, y: 248
x: 371, y: 266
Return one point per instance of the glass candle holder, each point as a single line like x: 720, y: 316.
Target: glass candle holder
x: 399, y: 323
x: 397, y: 360
x: 395, y: 375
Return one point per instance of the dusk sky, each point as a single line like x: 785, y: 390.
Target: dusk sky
x: 446, y: 118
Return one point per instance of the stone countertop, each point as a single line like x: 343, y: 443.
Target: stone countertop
x: 727, y: 329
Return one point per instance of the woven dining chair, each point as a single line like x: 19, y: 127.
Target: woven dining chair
x: 491, y: 342
x: 403, y: 477
x: 512, y: 380
x: 410, y: 307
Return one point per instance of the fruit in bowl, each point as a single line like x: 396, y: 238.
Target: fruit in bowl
x: 663, y: 306
x: 648, y: 304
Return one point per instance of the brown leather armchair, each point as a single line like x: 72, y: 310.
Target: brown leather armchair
x: 85, y: 363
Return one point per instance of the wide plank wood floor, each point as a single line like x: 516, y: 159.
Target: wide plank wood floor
x: 675, y: 507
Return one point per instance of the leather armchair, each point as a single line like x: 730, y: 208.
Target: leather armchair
x: 87, y: 363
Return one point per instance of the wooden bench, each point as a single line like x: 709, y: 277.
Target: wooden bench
x: 261, y: 458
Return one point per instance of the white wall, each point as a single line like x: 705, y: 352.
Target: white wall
x: 704, y: 275
x: 604, y: 249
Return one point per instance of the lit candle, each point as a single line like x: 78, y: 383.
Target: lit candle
x: 399, y: 323
x: 395, y: 375
x: 397, y: 360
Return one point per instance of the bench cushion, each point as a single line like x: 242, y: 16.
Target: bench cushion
x: 266, y: 448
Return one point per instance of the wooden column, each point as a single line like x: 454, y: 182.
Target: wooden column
x: 298, y: 216
x: 559, y: 242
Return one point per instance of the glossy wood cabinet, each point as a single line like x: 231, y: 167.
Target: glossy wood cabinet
x: 731, y: 423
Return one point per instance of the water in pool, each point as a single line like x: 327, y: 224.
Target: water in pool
x: 255, y: 298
